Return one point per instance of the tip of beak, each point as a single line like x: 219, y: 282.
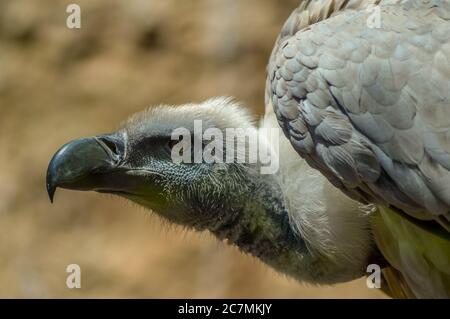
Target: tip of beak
x: 77, y: 164
x: 51, y: 188
x: 51, y: 192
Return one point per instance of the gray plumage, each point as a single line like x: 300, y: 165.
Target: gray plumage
x: 369, y: 107
x: 368, y: 111
x: 294, y: 220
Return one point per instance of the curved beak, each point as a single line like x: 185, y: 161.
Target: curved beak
x: 86, y: 164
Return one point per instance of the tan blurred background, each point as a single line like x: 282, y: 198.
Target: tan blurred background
x: 58, y: 84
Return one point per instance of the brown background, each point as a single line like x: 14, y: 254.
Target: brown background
x: 57, y: 84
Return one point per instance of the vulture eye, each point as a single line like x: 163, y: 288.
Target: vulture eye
x: 170, y: 144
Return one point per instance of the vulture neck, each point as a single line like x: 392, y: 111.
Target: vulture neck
x: 261, y: 227
x: 295, y: 221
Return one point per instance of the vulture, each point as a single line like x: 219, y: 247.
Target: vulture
x: 363, y: 152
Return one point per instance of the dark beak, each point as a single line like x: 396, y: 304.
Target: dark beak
x: 85, y: 164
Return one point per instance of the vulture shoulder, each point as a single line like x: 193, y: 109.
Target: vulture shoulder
x: 369, y: 107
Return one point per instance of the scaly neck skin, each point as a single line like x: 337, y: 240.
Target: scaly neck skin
x: 262, y: 228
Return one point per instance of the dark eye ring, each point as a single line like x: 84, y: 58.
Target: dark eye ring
x: 170, y: 145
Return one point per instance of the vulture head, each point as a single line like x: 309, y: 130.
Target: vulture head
x: 265, y: 214
x: 136, y: 162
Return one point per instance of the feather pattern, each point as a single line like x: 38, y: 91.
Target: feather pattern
x: 370, y: 108
x: 387, y: 90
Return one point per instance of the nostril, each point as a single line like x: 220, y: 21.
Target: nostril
x: 112, y: 145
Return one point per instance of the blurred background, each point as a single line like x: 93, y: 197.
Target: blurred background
x: 57, y: 84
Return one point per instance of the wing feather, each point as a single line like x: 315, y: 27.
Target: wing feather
x: 370, y: 107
